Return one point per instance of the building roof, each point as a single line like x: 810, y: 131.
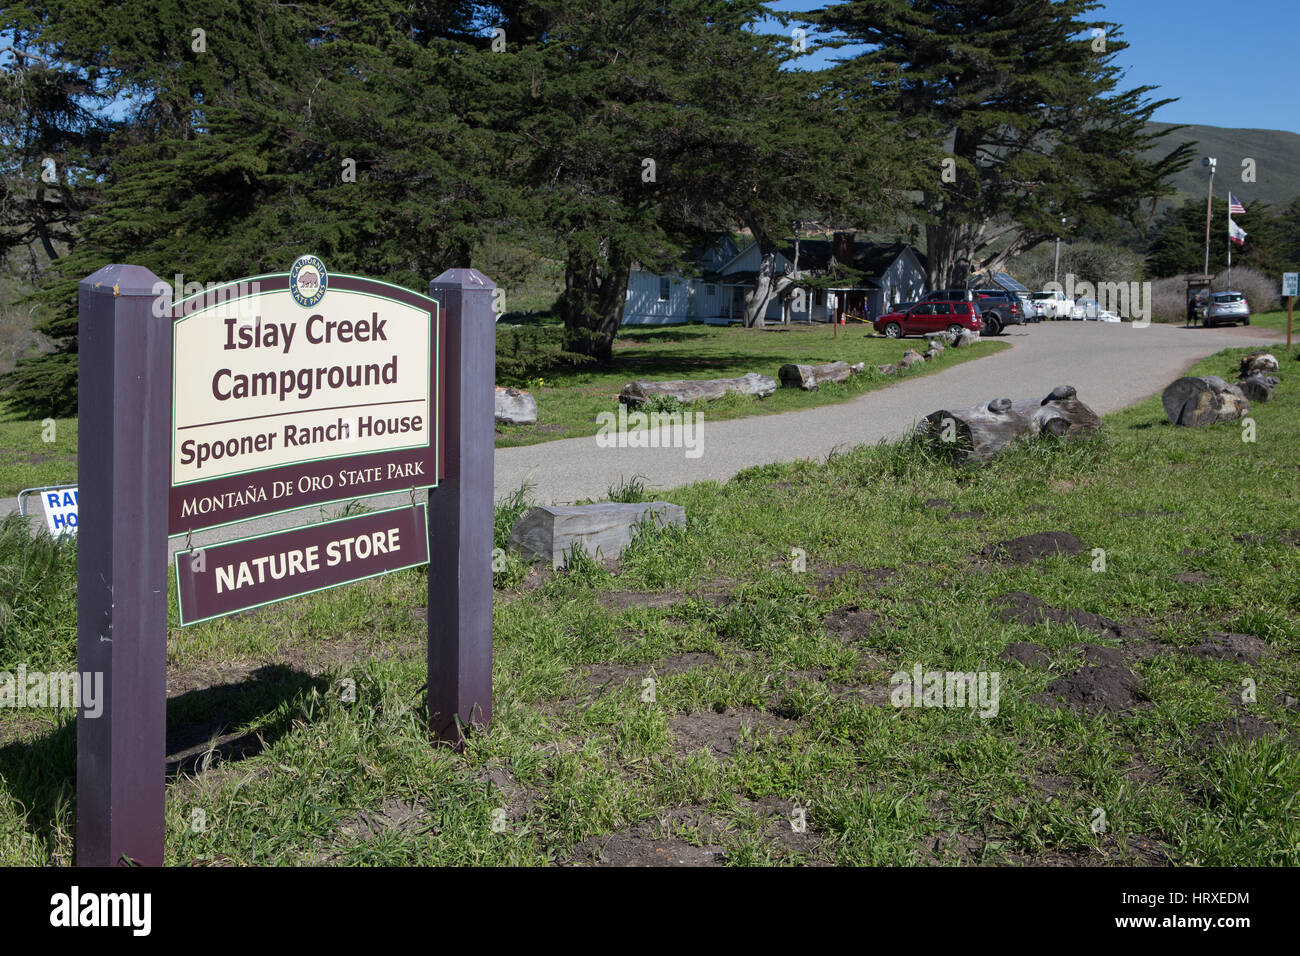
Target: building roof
x: 869, y: 258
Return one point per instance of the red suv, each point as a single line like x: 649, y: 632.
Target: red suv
x: 930, y: 317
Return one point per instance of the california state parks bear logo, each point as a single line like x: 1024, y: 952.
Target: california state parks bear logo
x: 307, y: 281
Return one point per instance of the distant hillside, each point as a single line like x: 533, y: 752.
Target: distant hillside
x: 1276, y: 154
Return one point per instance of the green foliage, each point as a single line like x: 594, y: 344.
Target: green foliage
x: 1032, y: 117
x: 38, y: 597
x: 1176, y: 243
x: 628, y: 490
x: 662, y: 404
x: 526, y: 351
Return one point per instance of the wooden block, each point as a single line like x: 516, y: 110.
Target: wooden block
x: 548, y: 532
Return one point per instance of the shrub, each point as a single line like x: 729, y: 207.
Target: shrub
x: 524, y: 352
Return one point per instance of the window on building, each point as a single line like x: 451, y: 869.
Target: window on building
x: 663, y: 290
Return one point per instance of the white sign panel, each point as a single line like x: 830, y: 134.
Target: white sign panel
x: 60, y: 506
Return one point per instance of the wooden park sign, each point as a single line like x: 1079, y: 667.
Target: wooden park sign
x: 260, y: 398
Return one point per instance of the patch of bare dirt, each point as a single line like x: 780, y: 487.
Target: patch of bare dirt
x: 1193, y: 577
x: 1032, y: 547
x: 1243, y: 648
x: 601, y: 676
x: 825, y: 578
x: 395, y: 814
x: 937, y: 504
x: 1289, y: 536
x: 1094, y: 689
x: 722, y: 734
x: 1027, y: 653
x: 536, y: 575
x: 698, y: 836
x: 851, y: 623
x: 962, y: 515
x: 1018, y: 607
x: 516, y: 799
x: 1244, y: 727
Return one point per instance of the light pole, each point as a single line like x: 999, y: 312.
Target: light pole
x: 1211, y: 163
x: 1056, y: 263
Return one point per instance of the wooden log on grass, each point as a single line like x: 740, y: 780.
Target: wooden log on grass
x: 808, y: 377
x: 1192, y: 402
x: 979, y: 432
x: 1258, y: 387
x: 1265, y: 362
x: 634, y: 393
x: 550, y: 532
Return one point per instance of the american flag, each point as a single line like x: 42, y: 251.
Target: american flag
x: 1235, y: 208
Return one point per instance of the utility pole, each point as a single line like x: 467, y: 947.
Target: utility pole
x: 1211, y: 163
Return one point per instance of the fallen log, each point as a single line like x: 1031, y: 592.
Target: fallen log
x: 980, y: 432
x: 1192, y: 402
x: 634, y: 393
x: 1265, y: 362
x: 1258, y: 387
x: 808, y: 377
x: 515, y: 407
x: 550, y: 533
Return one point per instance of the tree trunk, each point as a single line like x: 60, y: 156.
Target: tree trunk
x: 634, y: 393
x: 980, y: 432
x: 592, y: 301
x: 1193, y: 402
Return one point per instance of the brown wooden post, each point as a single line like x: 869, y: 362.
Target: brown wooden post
x: 123, y: 451
x: 460, y: 512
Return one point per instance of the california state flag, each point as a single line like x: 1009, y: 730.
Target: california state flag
x: 1236, y: 233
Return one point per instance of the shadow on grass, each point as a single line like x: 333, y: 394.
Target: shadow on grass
x: 40, y: 773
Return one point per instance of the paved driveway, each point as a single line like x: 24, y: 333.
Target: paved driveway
x: 1112, y: 366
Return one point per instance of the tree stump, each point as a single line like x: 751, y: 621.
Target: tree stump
x: 1192, y: 402
x: 808, y: 377
x: 549, y: 533
x: 1258, y: 387
x: 634, y: 393
x: 515, y: 407
x: 980, y: 432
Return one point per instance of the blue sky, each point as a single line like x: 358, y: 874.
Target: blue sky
x: 1231, y: 63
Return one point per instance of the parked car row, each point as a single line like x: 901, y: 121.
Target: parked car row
x: 989, y: 311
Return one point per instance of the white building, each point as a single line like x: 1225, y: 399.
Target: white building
x: 875, y: 276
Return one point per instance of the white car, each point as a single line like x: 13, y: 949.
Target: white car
x: 1089, y: 310
x: 1051, y: 305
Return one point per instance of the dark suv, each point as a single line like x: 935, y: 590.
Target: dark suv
x: 999, y: 309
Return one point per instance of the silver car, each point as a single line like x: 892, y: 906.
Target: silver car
x: 1227, y: 307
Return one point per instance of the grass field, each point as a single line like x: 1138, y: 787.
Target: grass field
x: 31, y: 454
x: 771, y: 684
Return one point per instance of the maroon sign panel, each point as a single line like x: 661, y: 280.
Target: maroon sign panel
x: 300, y: 390
x: 250, y: 572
